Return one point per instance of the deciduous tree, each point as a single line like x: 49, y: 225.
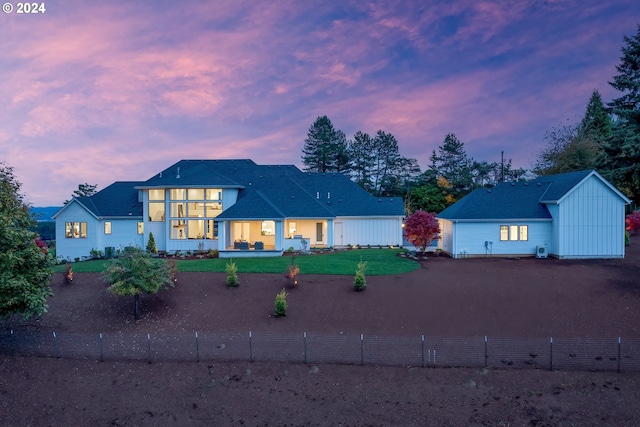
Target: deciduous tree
x: 25, y: 268
x: 421, y: 228
x: 135, y: 272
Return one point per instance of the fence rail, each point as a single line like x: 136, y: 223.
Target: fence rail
x: 545, y: 353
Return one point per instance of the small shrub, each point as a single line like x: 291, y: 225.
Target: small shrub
x: 293, y: 271
x: 232, y: 274
x: 151, y: 245
x: 96, y: 254
x: 177, y: 253
x: 281, y: 303
x: 214, y: 253
x: 68, y: 274
x: 360, y: 282
x: 77, y: 259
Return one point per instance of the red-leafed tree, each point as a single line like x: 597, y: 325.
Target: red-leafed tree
x: 421, y: 228
x: 633, y: 222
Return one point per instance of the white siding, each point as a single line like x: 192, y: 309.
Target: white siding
x: 374, y: 232
x: 470, y: 237
x: 591, y: 222
x: 124, y: 232
x: 70, y: 249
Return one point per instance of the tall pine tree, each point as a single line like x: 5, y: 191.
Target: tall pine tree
x: 325, y: 149
x: 622, y: 154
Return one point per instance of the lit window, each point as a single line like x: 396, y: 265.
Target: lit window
x: 504, y: 232
x: 75, y: 230
x: 178, y: 229
x: 292, y: 228
x: 513, y: 232
x: 156, y: 212
x: 178, y: 210
x: 196, y: 193
x: 178, y: 194
x: 268, y: 228
x: 214, y: 194
x: 107, y: 227
x: 140, y: 227
x: 524, y: 232
x: 156, y: 194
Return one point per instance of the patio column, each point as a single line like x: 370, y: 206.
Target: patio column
x: 330, y: 233
x: 279, y: 234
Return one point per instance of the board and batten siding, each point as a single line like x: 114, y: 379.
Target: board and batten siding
x: 69, y: 249
x: 124, y: 232
x: 590, y: 222
x: 366, y: 231
x: 479, y: 239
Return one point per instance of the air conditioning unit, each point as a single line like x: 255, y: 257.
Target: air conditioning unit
x: 541, y: 252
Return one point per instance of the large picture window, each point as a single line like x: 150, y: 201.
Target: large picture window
x: 75, y: 230
x: 514, y: 232
x: 191, y: 213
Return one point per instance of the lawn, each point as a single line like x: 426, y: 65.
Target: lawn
x: 379, y: 262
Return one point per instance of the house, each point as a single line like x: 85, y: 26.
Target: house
x: 570, y: 215
x: 237, y: 207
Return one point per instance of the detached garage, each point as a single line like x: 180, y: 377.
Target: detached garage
x: 570, y: 215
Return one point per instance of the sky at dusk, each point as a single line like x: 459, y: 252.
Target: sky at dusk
x: 109, y: 91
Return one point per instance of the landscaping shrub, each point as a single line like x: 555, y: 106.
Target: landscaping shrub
x: 281, y: 303
x: 151, y: 245
x: 360, y: 282
x: 232, y: 274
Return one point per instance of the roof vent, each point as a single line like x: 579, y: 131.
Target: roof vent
x: 526, y: 183
x: 178, y: 175
x: 379, y: 200
x: 249, y: 183
x: 538, y: 184
x: 513, y: 184
x: 488, y: 191
x: 160, y: 175
x: 328, y: 195
x: 317, y: 194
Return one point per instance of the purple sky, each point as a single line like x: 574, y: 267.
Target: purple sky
x: 103, y: 91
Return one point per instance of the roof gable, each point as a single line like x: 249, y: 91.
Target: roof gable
x: 561, y: 185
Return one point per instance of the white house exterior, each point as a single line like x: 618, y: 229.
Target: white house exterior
x: 571, y: 215
x: 234, y: 206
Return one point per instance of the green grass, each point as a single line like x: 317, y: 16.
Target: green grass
x: 380, y: 262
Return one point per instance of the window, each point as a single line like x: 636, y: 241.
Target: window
x: 319, y: 234
x: 156, y: 212
x: 107, y: 227
x: 214, y: 194
x: 156, y: 194
x: 191, y: 212
x: 140, y: 227
x: 75, y: 230
x: 504, y: 232
x: 268, y: 228
x: 178, y: 194
x: 514, y: 232
x: 292, y: 228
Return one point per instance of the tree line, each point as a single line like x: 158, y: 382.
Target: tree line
x: 607, y: 139
x: 375, y: 163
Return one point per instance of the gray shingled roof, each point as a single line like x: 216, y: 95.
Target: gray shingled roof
x: 117, y: 200
x: 265, y: 191
x: 561, y: 184
x: 504, y: 201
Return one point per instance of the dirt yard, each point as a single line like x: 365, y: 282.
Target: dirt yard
x: 523, y: 298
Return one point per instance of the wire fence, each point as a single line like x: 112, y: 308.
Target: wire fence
x: 490, y: 352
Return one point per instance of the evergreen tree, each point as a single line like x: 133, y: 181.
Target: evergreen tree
x: 622, y: 154
x: 596, y: 123
x: 454, y: 165
x: 25, y: 268
x: 325, y: 149
x: 361, y: 159
x: 84, y: 190
x: 386, y: 156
